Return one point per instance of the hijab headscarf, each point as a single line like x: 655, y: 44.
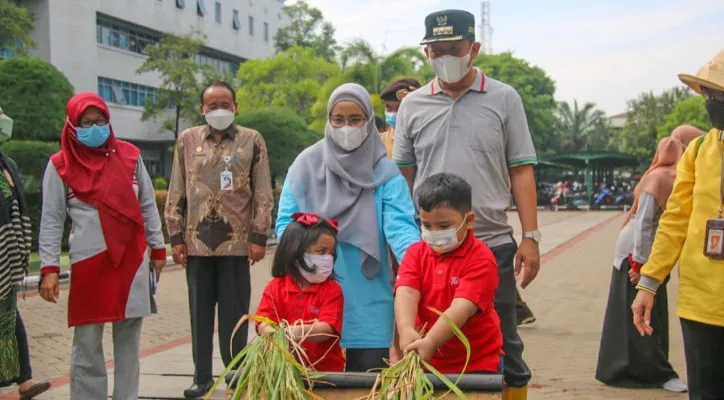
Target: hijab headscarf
x: 686, y: 133
x: 658, y: 180
x: 103, y: 178
x: 342, y: 187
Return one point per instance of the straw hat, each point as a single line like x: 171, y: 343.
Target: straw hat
x: 710, y: 75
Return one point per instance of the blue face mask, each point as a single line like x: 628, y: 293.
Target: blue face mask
x: 93, y: 136
x: 391, y: 118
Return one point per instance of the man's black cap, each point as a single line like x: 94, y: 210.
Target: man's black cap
x: 449, y: 26
x: 398, y: 89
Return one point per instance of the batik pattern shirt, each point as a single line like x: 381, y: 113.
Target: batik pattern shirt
x: 209, y: 220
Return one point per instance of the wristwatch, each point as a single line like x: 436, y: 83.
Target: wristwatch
x: 535, y: 235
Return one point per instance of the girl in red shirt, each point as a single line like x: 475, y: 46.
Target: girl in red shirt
x: 303, y: 289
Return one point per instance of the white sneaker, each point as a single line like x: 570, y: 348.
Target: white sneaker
x: 675, y: 385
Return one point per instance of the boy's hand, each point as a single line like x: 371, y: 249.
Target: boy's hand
x: 424, y: 347
x: 408, y: 336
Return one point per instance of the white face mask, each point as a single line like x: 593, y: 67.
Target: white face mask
x: 451, y: 69
x: 348, y: 137
x: 220, y: 119
x: 322, y: 264
x: 443, y: 241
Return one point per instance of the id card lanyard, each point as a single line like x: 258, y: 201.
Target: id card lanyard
x: 227, y: 177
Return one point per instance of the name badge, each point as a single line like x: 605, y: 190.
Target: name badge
x: 714, y: 245
x: 227, y: 180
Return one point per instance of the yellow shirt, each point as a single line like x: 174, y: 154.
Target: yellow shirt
x: 680, y: 236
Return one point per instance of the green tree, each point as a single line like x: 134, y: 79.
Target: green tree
x: 291, y: 79
x: 691, y: 111
x: 581, y: 128
x: 285, y: 133
x: 361, y: 64
x: 182, y: 78
x: 34, y: 94
x: 639, y: 135
x: 16, y: 26
x: 307, y: 29
x: 31, y: 157
x: 536, y: 89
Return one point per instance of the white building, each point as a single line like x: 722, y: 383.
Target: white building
x: 617, y: 121
x: 98, y: 44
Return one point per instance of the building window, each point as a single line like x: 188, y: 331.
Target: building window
x: 6, y: 54
x: 218, y: 12
x: 122, y: 37
x: 251, y: 26
x: 127, y: 93
x: 201, y: 8
x: 180, y: 4
x: 266, y: 32
x: 235, y: 21
x: 219, y: 65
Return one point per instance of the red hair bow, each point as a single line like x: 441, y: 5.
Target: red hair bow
x: 311, y: 219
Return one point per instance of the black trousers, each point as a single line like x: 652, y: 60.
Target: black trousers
x: 363, y: 360
x: 704, y: 350
x: 26, y: 373
x: 224, y: 281
x: 515, y: 370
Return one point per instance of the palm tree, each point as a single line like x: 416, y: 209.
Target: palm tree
x: 361, y: 64
x: 581, y: 128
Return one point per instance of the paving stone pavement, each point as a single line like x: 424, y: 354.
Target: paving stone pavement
x: 568, y: 299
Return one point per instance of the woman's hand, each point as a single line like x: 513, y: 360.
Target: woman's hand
x: 49, y: 288
x: 634, y: 277
x: 641, y: 308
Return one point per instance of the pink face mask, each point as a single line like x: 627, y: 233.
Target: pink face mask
x: 322, y: 264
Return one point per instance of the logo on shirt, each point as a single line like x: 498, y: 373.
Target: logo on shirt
x: 455, y: 281
x: 313, y: 310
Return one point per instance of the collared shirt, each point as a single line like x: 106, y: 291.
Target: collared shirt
x: 681, y: 235
x: 478, y: 136
x: 211, y: 221
x: 469, y: 272
x: 283, y: 299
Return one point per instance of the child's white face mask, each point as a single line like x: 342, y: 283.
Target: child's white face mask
x: 443, y: 241
x: 323, y: 265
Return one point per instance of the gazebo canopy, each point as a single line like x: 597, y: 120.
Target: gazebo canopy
x: 595, y: 159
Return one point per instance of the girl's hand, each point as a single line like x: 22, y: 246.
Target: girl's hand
x: 634, y: 277
x: 424, y: 347
x: 408, y: 336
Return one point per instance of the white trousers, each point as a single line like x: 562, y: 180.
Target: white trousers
x: 88, y: 378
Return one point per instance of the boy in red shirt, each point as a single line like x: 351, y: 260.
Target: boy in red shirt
x: 455, y: 273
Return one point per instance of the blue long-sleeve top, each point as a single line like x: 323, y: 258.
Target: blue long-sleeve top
x: 368, y: 303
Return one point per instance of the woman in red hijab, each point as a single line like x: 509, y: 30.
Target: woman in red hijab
x: 101, y: 183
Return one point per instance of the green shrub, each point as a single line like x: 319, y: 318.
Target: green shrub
x: 34, y: 94
x: 160, y: 183
x: 31, y: 157
x: 161, y: 204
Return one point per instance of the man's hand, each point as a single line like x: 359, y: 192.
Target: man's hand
x: 158, y: 265
x: 641, y: 307
x: 256, y: 253
x: 49, y: 288
x: 424, y: 347
x: 408, y: 336
x: 179, y: 254
x: 527, y: 261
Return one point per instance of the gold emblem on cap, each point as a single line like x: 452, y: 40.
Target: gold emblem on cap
x: 471, y: 29
x: 198, y: 149
x: 442, y: 20
x: 442, y: 30
x: 401, y: 93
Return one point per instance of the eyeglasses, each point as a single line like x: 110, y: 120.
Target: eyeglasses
x: 87, y: 123
x: 339, y: 121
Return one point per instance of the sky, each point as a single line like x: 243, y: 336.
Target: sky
x: 602, y: 52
